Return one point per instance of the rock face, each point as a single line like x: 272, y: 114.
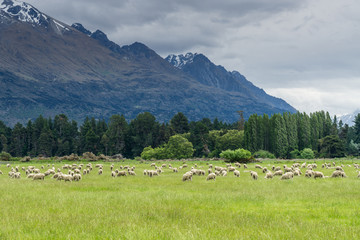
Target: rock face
x: 48, y: 67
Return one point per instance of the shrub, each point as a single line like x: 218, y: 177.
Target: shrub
x: 307, y: 153
x: 4, y: 156
x: 153, y: 153
x: 238, y: 155
x: 264, y: 154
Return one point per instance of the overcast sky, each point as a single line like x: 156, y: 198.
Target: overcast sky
x: 306, y: 52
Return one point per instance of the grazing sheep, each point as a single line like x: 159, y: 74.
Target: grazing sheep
x: 36, y: 170
x: 8, y: 165
x: 56, y: 175
x: 30, y: 175
x: 175, y: 170
x: 297, y: 172
x: 309, y: 173
x: 339, y: 168
x: 84, y: 172
x: 39, y: 176
x: 287, y: 169
x: 67, y: 178
x: 338, y: 173
x: 287, y: 175
x: 185, y: 166
x: 211, y: 176
x: 245, y: 166
x: 77, y: 177
x: 187, y: 176
x: 1, y: 172
x: 358, y: 175
x: 278, y: 173
x: 209, y: 171
x: 121, y: 173
x: 100, y: 171
x: 237, y: 173
x: 224, y: 174
x: 318, y: 175
x: 210, y: 166
x: 269, y: 175
x: 145, y: 172
x: 17, y: 175
x: 152, y: 165
x: 132, y: 173
x: 231, y: 169
x: 264, y: 170
x: 277, y: 169
x: 258, y: 166
x: 153, y: 173
x: 254, y: 175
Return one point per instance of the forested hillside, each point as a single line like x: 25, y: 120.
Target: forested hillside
x: 285, y: 136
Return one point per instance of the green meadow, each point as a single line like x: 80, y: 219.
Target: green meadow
x: 165, y: 207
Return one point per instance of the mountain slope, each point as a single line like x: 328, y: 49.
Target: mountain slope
x: 204, y: 71
x: 48, y: 67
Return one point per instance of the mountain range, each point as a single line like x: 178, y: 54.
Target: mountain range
x: 48, y: 67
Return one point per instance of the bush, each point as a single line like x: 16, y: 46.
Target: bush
x: 4, y: 156
x: 307, y: 153
x: 264, y: 154
x: 153, y: 153
x: 238, y: 155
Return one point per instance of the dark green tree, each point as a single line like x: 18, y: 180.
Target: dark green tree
x: 179, y: 123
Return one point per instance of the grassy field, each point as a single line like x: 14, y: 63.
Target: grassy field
x: 164, y: 207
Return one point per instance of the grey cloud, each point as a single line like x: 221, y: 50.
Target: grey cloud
x: 279, y: 44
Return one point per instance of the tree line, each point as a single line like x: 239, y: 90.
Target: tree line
x: 284, y: 135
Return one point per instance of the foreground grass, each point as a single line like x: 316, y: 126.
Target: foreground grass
x: 164, y: 207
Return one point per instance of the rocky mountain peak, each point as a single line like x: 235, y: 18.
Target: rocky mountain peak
x: 179, y: 61
x: 81, y: 28
x: 24, y: 12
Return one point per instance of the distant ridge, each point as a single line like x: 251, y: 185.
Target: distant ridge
x: 48, y: 67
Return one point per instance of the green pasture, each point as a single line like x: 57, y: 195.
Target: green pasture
x: 165, y: 207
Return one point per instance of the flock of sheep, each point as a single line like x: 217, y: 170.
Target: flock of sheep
x: 76, y: 172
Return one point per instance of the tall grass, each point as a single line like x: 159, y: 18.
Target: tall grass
x: 164, y: 207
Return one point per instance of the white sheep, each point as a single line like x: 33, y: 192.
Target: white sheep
x: 77, y: 177
x: 338, y: 173
x: 132, y: 173
x: 254, y: 175
x: 269, y: 175
x: 309, y: 173
x: 287, y: 175
x: 187, y: 176
x: 175, y: 170
x: 231, y: 169
x: 121, y: 173
x: 237, y: 173
x: 39, y: 176
x: 100, y: 171
x: 278, y: 173
x: 211, y: 176
x: 264, y: 170
x: 318, y: 175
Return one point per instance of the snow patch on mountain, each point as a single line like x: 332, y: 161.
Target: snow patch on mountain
x: 179, y: 61
x: 348, y: 118
x: 25, y: 12
x: 22, y: 11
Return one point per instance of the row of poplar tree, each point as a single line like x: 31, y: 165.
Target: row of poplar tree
x: 284, y: 135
